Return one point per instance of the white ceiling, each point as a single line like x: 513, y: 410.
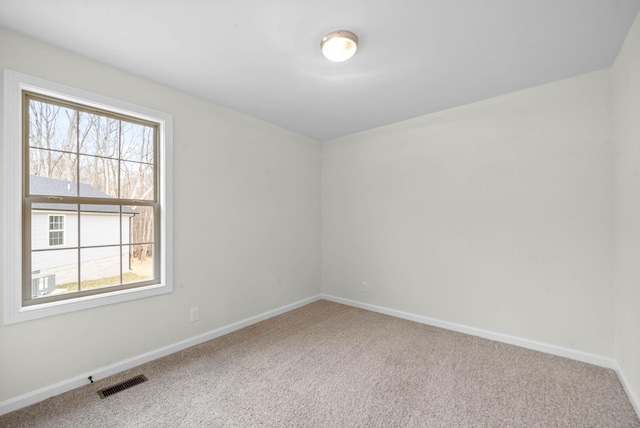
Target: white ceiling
x: 263, y: 57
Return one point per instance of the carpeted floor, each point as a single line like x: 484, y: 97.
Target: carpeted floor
x: 330, y: 365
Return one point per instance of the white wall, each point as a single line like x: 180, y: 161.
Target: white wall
x: 246, y: 229
x: 626, y: 131
x: 495, y: 215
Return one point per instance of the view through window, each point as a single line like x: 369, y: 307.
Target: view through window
x: 90, y: 198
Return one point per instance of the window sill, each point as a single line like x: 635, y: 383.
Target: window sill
x: 33, y: 312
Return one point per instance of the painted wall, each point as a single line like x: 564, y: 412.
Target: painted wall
x: 495, y: 215
x: 626, y: 131
x: 246, y: 229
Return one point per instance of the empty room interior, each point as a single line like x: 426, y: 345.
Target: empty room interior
x: 428, y: 233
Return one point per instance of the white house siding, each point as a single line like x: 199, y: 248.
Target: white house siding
x: 96, y: 229
x: 40, y: 230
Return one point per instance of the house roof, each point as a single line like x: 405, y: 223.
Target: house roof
x: 52, y: 186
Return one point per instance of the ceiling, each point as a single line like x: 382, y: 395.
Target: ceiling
x: 263, y: 57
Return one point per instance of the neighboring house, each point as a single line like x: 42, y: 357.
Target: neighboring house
x: 56, y: 250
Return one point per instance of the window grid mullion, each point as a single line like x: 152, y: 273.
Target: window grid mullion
x: 120, y: 196
x: 55, y: 227
x: 78, y: 181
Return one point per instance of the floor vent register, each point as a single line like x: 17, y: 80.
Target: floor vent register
x: 104, y: 393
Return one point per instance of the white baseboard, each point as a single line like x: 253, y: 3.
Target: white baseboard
x: 635, y: 400
x: 573, y: 354
x: 67, y: 385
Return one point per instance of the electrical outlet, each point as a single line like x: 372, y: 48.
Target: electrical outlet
x: 195, y: 314
x: 365, y: 287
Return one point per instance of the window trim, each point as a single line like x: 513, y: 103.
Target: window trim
x: 14, y: 84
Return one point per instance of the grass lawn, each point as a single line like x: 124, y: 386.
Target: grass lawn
x: 127, y: 278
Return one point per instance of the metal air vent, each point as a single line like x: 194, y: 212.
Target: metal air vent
x: 104, y: 393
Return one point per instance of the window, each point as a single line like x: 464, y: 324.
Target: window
x: 56, y: 230
x: 88, y: 184
x: 100, y: 167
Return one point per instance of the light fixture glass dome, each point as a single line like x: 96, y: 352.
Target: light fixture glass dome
x: 339, y: 45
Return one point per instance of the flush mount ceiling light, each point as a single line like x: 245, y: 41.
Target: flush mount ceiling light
x: 339, y: 45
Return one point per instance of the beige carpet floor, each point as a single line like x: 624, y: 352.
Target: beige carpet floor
x: 330, y: 365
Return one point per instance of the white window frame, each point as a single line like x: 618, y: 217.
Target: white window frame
x: 64, y: 221
x: 14, y: 84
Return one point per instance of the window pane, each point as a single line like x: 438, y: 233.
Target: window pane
x: 137, y: 181
x: 141, y: 225
x: 137, y: 229
x: 56, y: 238
x: 100, y: 267
x: 54, y: 272
x: 99, y: 135
x: 56, y: 222
x: 98, y: 177
x: 140, y: 266
x: 43, y: 222
x: 99, y: 225
x: 52, y: 126
x: 128, y: 223
x: 137, y: 142
x: 52, y: 173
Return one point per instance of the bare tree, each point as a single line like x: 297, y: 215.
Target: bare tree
x: 112, y: 155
